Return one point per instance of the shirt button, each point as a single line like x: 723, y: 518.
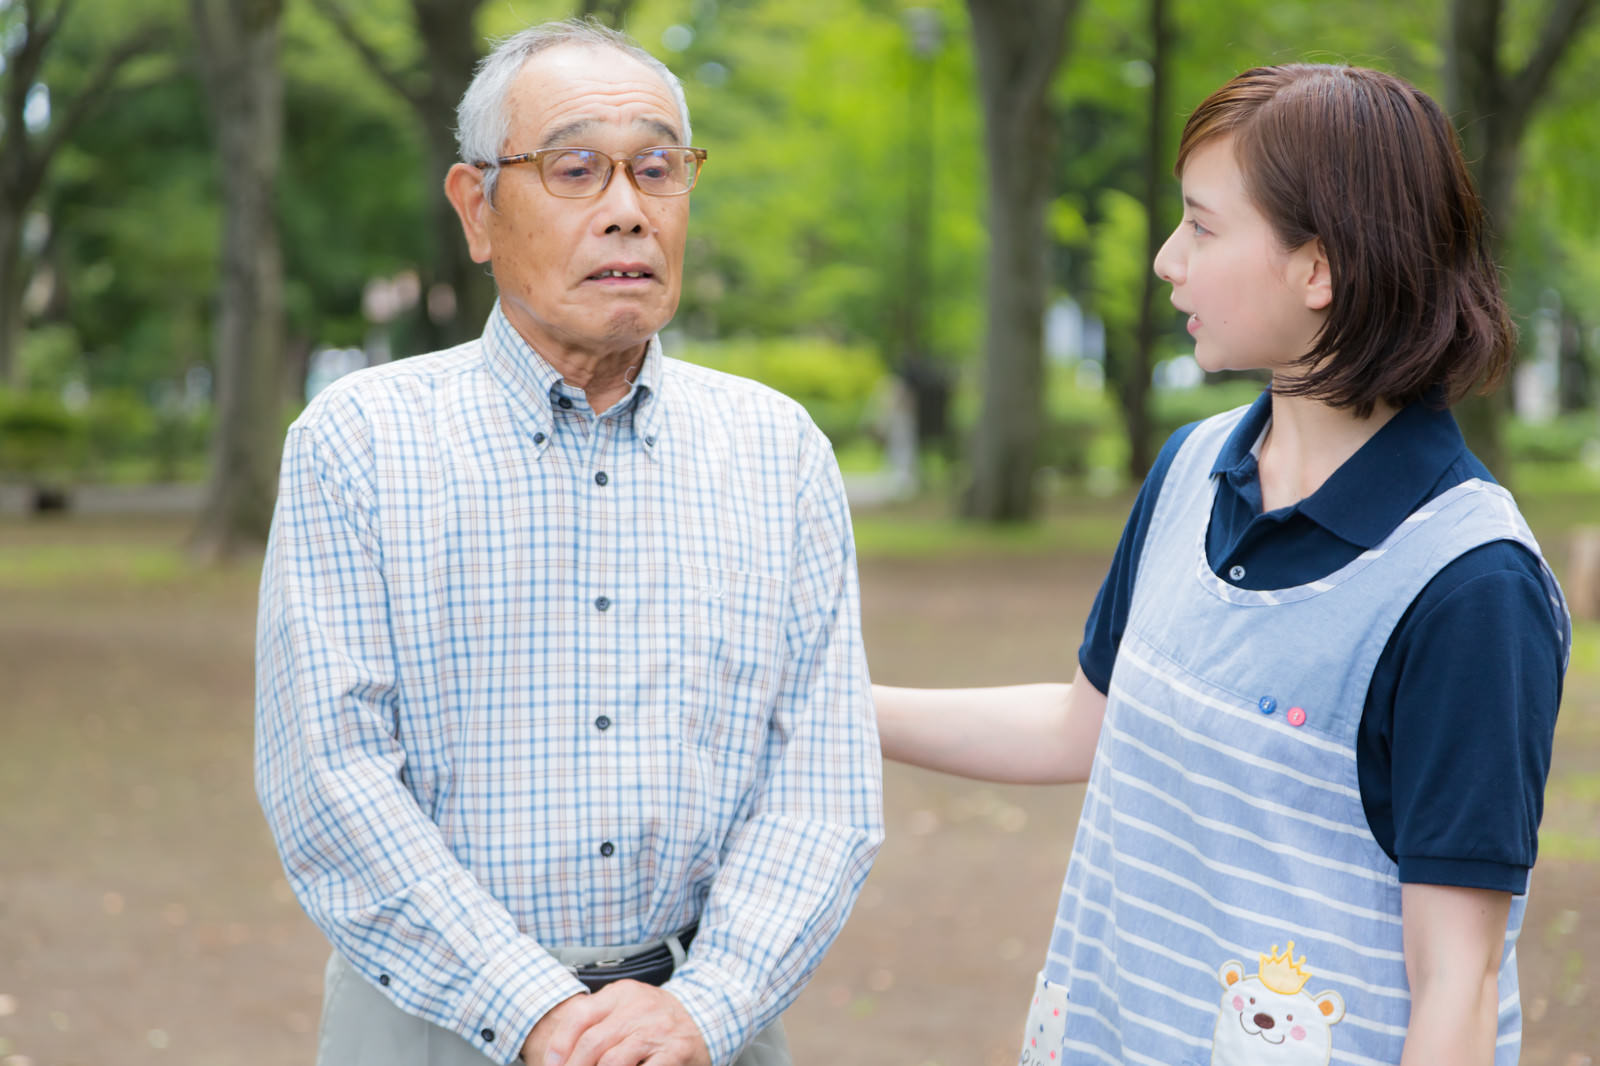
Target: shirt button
x: 564, y: 403
x: 600, y: 478
x: 607, y: 849
x: 538, y: 438
x: 649, y: 442
x: 1236, y: 573
x: 602, y: 722
x: 383, y: 979
x: 601, y: 603
x: 488, y: 1034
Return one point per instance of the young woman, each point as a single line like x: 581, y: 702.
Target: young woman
x: 1317, y: 690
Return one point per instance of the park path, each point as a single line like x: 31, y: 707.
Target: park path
x: 143, y: 918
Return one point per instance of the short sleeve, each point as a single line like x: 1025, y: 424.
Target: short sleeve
x: 1461, y: 719
x: 1108, y: 618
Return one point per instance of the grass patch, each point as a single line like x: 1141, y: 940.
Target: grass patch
x: 1083, y: 525
x: 1573, y: 846
x: 46, y: 565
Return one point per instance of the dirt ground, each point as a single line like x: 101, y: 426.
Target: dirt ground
x: 144, y: 920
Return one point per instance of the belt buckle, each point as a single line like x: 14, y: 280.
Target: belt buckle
x: 598, y: 963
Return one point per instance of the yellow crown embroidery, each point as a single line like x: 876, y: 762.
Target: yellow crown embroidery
x: 1281, y: 973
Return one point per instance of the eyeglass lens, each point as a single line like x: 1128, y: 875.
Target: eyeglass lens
x: 581, y: 172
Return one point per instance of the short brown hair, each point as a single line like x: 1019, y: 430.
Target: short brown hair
x: 1371, y: 166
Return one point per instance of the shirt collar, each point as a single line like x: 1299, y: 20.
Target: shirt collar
x: 534, y: 385
x: 1388, y: 477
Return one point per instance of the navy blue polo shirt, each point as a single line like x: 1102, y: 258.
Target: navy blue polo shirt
x: 1454, y: 743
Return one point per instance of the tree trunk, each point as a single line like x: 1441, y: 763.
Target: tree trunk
x: 1491, y: 107
x: 1019, y: 46
x: 613, y: 13
x: 240, y: 44
x: 1134, y: 382
x: 25, y: 155
x: 450, y: 54
x: 10, y: 295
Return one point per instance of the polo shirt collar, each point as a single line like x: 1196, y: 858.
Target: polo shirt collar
x: 1378, y: 487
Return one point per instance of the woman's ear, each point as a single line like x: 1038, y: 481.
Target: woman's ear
x: 1318, y: 280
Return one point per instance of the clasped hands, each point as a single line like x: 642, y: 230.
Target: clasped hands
x: 626, y: 1023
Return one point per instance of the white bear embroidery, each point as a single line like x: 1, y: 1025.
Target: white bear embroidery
x: 1266, y: 1020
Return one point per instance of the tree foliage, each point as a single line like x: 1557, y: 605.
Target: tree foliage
x: 844, y: 197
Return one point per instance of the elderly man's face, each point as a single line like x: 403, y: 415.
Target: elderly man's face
x: 553, y: 257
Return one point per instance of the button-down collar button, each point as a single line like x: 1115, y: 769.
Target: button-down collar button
x: 538, y: 438
x: 601, y: 603
x: 565, y: 403
x: 607, y: 849
x: 488, y: 1034
x: 602, y: 723
x: 649, y: 442
x: 600, y: 478
x: 383, y: 979
x: 1236, y: 572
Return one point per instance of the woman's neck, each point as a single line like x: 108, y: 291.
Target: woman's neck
x: 1306, y: 441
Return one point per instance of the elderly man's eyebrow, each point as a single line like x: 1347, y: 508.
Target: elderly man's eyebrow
x: 572, y: 132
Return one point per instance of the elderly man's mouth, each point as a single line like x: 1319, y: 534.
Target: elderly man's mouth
x: 621, y: 276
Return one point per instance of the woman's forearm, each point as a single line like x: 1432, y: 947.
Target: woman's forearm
x: 1024, y: 734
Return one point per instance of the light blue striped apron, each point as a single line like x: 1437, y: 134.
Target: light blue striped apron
x: 1225, y: 901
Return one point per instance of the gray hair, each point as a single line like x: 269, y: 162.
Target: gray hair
x: 482, y: 123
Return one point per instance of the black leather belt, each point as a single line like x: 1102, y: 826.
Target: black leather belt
x: 653, y: 967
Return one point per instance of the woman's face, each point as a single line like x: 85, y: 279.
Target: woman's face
x: 1251, y: 305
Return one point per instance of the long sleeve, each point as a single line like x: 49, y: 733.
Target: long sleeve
x: 791, y: 872
x: 367, y: 863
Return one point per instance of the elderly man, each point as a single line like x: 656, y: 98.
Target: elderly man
x: 564, y: 729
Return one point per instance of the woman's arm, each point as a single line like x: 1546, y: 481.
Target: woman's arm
x: 1454, y: 940
x: 1017, y: 734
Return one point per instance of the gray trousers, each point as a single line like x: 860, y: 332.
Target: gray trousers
x: 361, y: 1027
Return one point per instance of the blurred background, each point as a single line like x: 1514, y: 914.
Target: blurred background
x: 931, y: 224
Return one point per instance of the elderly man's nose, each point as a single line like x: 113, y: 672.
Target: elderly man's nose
x: 622, y: 206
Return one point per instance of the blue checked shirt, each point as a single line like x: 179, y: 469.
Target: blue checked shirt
x: 528, y: 676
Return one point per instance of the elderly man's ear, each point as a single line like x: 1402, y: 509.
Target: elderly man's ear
x: 464, y: 186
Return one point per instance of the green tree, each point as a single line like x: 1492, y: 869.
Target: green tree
x: 1493, y: 100
x: 239, y: 46
x: 1019, y: 44
x: 42, y: 104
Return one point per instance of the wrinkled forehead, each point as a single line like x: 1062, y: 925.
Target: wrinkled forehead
x: 575, y: 94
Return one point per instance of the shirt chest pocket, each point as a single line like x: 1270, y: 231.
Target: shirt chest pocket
x: 731, y: 657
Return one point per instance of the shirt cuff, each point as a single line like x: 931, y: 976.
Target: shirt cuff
x: 1464, y: 873
x: 726, y: 1021
x: 512, y: 991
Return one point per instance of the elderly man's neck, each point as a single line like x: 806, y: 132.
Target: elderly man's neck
x: 603, y: 375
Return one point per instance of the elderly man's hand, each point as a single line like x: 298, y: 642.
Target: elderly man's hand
x: 626, y: 1023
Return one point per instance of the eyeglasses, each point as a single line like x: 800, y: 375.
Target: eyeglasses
x: 576, y: 173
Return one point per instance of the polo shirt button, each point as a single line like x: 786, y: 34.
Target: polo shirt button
x: 564, y: 403
x: 600, y: 478
x: 607, y: 849
x: 488, y: 1034
x: 1236, y: 573
x: 601, y: 603
x: 602, y: 722
x: 1266, y: 705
